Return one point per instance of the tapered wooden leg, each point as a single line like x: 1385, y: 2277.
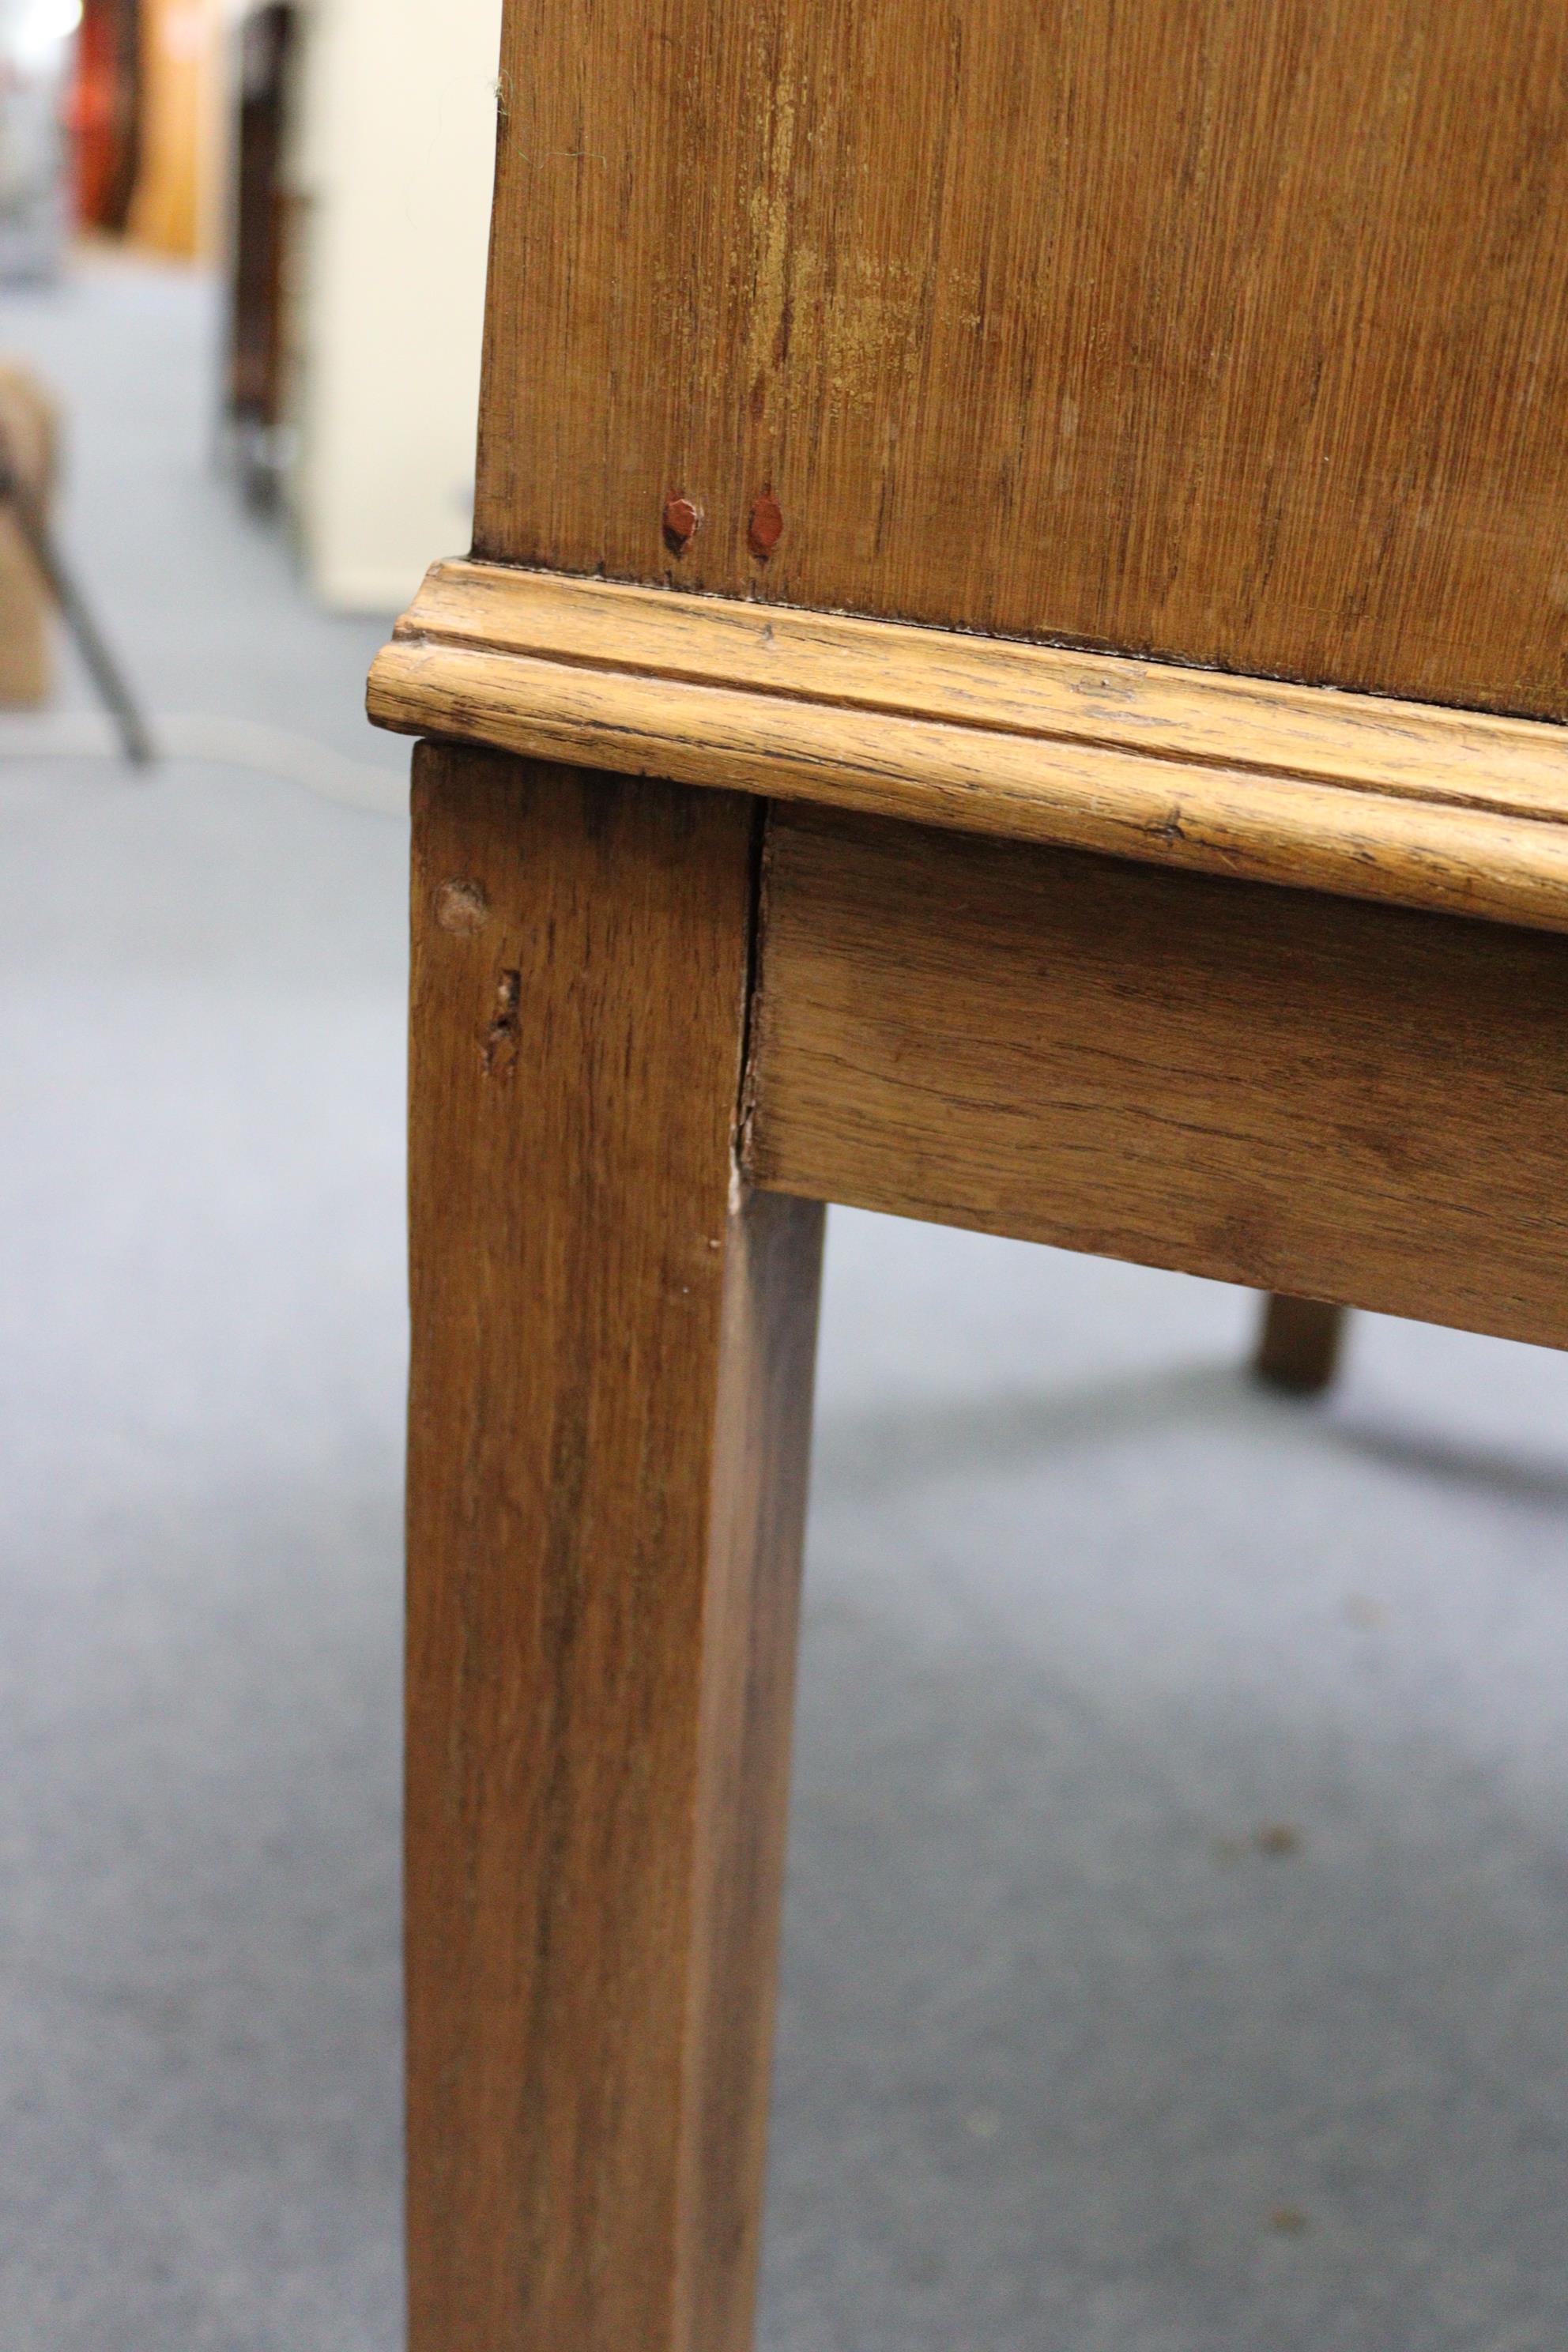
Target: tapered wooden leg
x: 1299, y: 1344
x: 613, y: 1344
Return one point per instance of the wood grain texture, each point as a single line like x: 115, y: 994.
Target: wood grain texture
x: 1231, y: 331
x: 1411, y: 803
x: 609, y: 1418
x: 1350, y: 1103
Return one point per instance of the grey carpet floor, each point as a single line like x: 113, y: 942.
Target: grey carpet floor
x: 1178, y: 1885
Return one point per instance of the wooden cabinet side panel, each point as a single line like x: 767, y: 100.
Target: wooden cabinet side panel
x: 1231, y: 331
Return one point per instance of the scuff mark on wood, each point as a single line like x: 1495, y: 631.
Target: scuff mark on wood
x: 501, y: 1036
x: 462, y: 906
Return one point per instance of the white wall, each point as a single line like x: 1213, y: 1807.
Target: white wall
x: 395, y: 165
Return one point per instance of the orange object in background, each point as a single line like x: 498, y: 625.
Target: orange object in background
x: 174, y: 207
x: 146, y: 118
x: 104, y: 112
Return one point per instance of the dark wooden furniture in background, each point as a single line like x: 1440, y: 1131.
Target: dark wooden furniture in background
x: 106, y: 113
x: 1169, y: 859
x: 259, y: 246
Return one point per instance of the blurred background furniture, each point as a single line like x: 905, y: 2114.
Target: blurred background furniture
x: 1228, y: 335
x: 112, y: 121
x: 34, y: 575
x: 106, y: 113
x: 36, y: 54
x: 260, y: 243
x: 353, y: 358
x: 27, y: 444
x: 335, y: 160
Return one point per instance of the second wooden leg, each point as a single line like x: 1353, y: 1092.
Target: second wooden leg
x: 1299, y: 1344
x: 613, y: 1344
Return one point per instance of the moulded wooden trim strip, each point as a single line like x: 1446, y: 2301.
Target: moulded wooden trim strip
x: 1409, y: 803
x: 1156, y: 707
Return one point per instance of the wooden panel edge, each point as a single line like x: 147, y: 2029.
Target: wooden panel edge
x: 1410, y: 803
x: 1353, y: 1104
